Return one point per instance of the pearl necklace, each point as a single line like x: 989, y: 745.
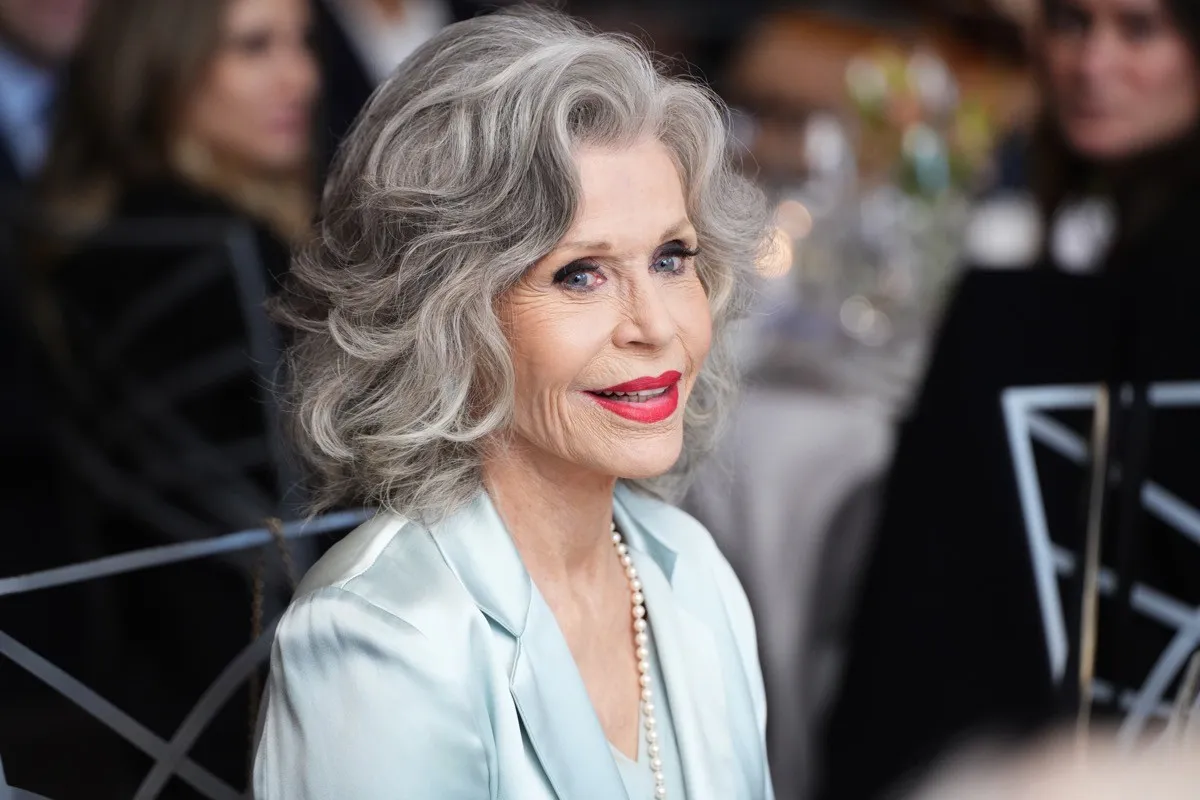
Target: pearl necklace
x: 640, y: 640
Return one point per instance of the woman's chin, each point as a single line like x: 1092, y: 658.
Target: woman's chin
x: 1111, y: 143
x: 645, y: 465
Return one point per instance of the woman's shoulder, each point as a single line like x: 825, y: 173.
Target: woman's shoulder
x: 172, y: 198
x: 670, y: 525
x: 388, y: 567
x: 374, y: 689
x: 690, y: 542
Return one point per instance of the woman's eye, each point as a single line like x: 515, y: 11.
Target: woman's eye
x: 673, y: 258
x: 1065, y: 17
x: 579, y: 277
x: 668, y: 264
x: 252, y: 44
x: 1139, y: 27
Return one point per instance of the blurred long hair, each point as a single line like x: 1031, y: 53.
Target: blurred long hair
x: 120, y: 121
x: 1145, y: 186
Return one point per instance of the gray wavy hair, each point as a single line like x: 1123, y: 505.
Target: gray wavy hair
x: 455, y: 180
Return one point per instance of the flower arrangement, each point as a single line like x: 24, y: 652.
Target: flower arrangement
x: 914, y: 128
x: 889, y: 189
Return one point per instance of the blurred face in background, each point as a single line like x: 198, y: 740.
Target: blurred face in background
x: 46, y: 31
x: 255, y: 102
x: 1122, y: 75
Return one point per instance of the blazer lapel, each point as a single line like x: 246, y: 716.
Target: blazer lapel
x: 691, y: 667
x: 549, y: 694
x: 558, y: 714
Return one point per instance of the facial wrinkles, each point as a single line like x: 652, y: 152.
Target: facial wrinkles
x: 546, y: 418
x: 628, y: 297
x: 599, y: 311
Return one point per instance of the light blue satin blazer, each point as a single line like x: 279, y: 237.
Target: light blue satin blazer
x: 423, y: 664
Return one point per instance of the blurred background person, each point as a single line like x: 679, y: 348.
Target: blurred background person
x: 361, y: 41
x: 36, y: 38
x: 189, y: 115
x: 1057, y: 769
x: 971, y: 615
x: 218, y: 121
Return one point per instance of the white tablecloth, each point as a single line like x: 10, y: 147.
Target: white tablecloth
x: 788, y: 497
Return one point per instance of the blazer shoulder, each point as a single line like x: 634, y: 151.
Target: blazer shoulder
x: 393, y: 565
x: 671, y: 525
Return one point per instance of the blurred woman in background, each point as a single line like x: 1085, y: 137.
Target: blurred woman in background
x: 188, y: 107
x: 181, y: 116
x: 973, y: 617
x: 1122, y: 84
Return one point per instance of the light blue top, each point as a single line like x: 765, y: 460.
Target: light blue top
x: 26, y: 95
x: 424, y: 663
x: 637, y: 775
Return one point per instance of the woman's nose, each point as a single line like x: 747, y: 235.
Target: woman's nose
x: 647, y: 320
x: 1100, y: 55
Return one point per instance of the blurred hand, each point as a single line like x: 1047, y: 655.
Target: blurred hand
x: 1057, y: 770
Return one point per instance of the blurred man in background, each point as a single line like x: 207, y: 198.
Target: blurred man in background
x: 360, y: 42
x: 36, y: 38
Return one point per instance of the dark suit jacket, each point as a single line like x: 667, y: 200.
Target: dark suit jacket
x: 10, y: 179
x: 152, y: 641
x: 346, y: 82
x: 954, y: 635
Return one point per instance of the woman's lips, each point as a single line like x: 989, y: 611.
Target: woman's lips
x: 642, y: 384
x: 646, y: 400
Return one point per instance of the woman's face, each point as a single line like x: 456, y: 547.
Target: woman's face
x: 1123, y: 78
x: 255, y: 103
x: 609, y: 330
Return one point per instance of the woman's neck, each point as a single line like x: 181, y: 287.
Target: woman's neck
x: 558, y: 514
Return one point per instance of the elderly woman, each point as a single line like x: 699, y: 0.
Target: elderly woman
x: 531, y: 241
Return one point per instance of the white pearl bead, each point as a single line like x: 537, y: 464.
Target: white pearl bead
x: 642, y: 653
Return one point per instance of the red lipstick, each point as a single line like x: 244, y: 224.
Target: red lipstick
x: 646, y: 400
